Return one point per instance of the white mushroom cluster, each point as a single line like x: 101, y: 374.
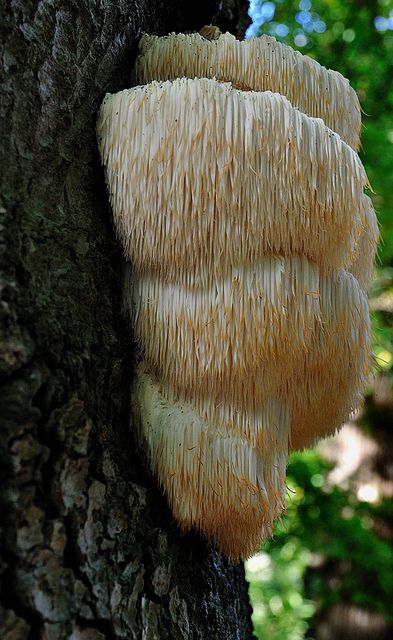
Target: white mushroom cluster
x: 238, y: 197
x: 258, y: 64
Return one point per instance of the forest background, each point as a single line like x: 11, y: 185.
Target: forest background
x: 328, y: 571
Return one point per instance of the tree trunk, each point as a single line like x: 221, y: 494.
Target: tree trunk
x: 89, y: 547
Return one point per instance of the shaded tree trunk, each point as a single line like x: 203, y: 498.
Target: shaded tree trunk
x: 232, y: 15
x: 89, y: 547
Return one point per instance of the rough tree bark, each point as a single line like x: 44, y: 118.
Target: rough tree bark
x: 89, y: 548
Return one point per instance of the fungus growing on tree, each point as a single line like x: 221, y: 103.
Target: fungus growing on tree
x: 250, y: 244
x: 258, y: 64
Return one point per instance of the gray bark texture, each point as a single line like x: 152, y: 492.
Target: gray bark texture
x: 89, y: 549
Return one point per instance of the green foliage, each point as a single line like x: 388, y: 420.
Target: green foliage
x: 382, y: 317
x: 323, y: 525
x: 336, y: 525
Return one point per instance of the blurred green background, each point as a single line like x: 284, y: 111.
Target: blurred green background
x: 328, y: 572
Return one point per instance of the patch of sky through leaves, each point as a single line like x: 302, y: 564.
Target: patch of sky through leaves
x: 308, y: 22
x: 264, y: 12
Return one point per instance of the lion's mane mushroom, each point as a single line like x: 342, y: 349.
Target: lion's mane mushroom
x: 251, y: 245
x: 258, y: 64
x: 258, y: 144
